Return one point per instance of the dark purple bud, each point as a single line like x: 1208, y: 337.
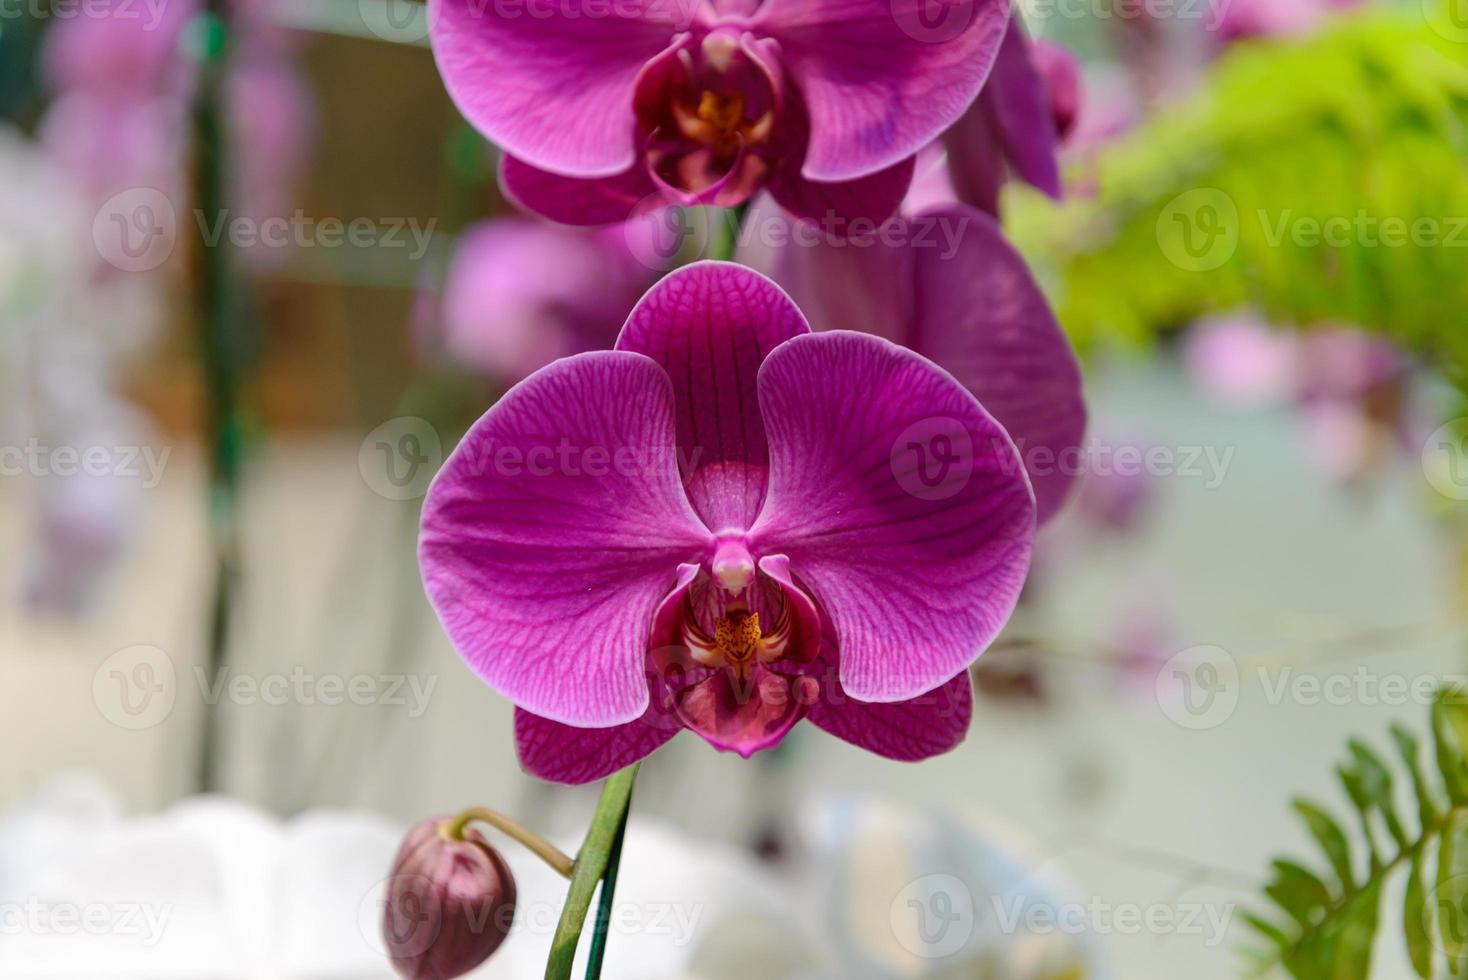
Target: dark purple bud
x: 450, y: 903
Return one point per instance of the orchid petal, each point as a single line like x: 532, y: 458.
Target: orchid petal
x: 948, y: 285
x: 549, y: 87
x: 907, y: 731
x: 586, y: 201
x: 880, y: 78
x: 710, y: 325
x: 875, y: 197
x: 917, y: 568
x: 553, y: 533
x: 574, y: 756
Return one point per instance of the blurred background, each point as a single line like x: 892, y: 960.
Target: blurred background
x: 212, y: 460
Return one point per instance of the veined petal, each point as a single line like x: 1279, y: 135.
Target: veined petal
x: 880, y: 78
x: 553, y: 532
x: 901, y: 503
x: 710, y: 325
x: 562, y: 754
x: 948, y: 285
x: 583, y: 201
x: 553, y: 86
x: 928, y: 725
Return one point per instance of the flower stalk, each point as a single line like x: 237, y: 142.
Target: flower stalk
x: 559, y: 861
x: 599, y: 857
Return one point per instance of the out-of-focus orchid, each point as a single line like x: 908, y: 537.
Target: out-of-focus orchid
x: 946, y: 284
x: 825, y: 102
x: 728, y: 524
x: 1351, y: 388
x: 123, y: 81
x: 521, y: 293
x: 1242, y: 19
x: 1015, y: 126
x: 1241, y: 361
x: 934, y: 880
x: 61, y: 334
x: 272, y: 115
x: 119, y: 51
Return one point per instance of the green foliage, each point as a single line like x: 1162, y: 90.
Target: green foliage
x: 1326, y: 922
x: 1358, y: 136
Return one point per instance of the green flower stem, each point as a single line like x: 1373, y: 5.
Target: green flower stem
x: 218, y: 344
x: 725, y: 234
x: 536, y: 844
x: 604, y: 907
x: 594, y: 861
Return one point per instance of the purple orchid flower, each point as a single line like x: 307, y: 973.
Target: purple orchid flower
x: 824, y: 102
x: 1026, y: 108
x: 728, y: 524
x: 946, y: 284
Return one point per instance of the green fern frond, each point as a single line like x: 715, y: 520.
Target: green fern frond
x: 1366, y: 123
x: 1326, y: 922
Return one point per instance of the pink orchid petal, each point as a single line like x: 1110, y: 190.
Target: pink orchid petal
x: 983, y: 317
x: 553, y: 532
x: 1024, y: 115
x: 880, y: 78
x: 710, y: 325
x: 576, y: 200
x: 902, y: 506
x: 551, y: 88
x: 874, y: 197
x: 907, y: 731
x: 574, y: 756
x: 948, y: 285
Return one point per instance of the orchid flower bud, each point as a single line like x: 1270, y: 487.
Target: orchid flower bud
x: 450, y: 903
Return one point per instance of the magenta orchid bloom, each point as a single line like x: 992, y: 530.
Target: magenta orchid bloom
x: 728, y: 524
x: 1016, y: 125
x: 824, y: 102
x: 946, y: 284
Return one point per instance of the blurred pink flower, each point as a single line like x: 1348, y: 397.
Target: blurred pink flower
x: 1241, y: 19
x: 118, y: 49
x: 1242, y: 361
x: 521, y: 293
x: 1350, y: 387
